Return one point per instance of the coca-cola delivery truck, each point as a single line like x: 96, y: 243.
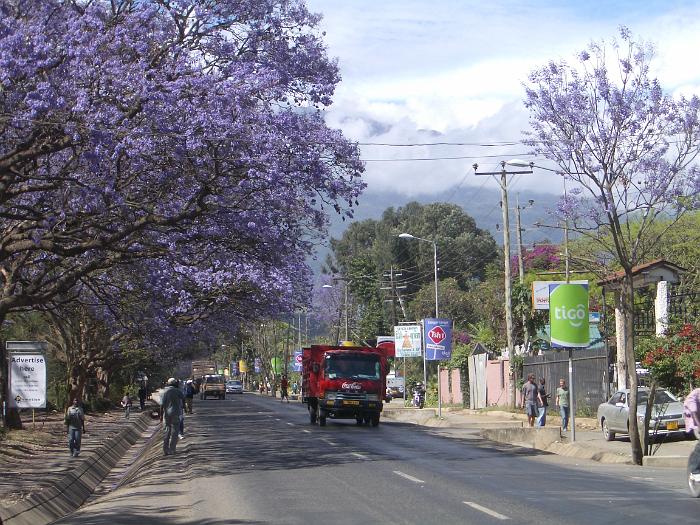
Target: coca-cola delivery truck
x: 344, y: 382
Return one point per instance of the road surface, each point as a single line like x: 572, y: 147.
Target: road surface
x: 252, y: 459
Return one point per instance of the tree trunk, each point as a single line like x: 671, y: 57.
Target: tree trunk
x: 627, y: 304
x: 647, y: 419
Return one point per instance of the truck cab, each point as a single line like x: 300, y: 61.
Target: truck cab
x: 344, y: 383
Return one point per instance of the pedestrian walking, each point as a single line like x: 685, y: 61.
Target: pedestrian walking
x: 284, y: 385
x: 126, y: 404
x: 295, y: 388
x: 75, y: 421
x: 542, y: 407
x: 142, y: 397
x: 562, y: 402
x: 530, y: 397
x: 172, y: 400
x: 189, y: 396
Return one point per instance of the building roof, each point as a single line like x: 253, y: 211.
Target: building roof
x: 651, y: 273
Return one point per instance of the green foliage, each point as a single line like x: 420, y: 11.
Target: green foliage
x: 460, y: 356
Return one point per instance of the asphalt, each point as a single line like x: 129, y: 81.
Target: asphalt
x: 114, y: 454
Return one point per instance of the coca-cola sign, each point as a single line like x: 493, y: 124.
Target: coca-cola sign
x: 351, y: 386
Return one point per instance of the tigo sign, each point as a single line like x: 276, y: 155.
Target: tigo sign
x: 438, y: 339
x: 568, y: 315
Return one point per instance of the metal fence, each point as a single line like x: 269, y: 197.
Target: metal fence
x: 590, y: 375
x: 684, y: 307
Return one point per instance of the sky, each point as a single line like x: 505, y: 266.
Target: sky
x: 429, y: 71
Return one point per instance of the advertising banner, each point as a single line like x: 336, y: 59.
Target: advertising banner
x: 407, y: 340
x: 277, y: 365
x: 27, y: 374
x: 257, y: 366
x: 438, y: 339
x: 568, y: 315
x: 242, y: 366
x: 540, y: 292
x: 234, y: 368
x: 297, y: 361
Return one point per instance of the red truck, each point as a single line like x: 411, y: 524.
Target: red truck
x: 344, y: 382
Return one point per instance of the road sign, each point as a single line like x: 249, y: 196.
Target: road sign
x: 297, y: 361
x: 438, y: 339
x: 407, y: 340
x: 568, y: 315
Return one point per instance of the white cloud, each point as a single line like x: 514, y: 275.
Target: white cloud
x: 451, y: 71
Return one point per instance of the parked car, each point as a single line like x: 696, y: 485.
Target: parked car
x: 234, y: 386
x: 666, y: 416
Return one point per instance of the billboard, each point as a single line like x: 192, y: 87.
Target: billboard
x: 27, y: 385
x: 438, y: 339
x: 568, y: 315
x: 540, y: 292
x: 407, y: 341
x: 257, y: 365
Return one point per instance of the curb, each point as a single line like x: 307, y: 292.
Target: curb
x: 74, y: 487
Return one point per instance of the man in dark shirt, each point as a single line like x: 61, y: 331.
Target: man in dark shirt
x: 172, y: 402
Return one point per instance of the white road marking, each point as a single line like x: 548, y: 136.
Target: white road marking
x: 277, y: 419
x: 332, y: 443
x: 307, y: 431
x: 358, y: 455
x: 490, y: 512
x: 291, y: 424
x: 407, y: 476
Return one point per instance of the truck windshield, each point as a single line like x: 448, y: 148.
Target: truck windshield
x: 353, y: 367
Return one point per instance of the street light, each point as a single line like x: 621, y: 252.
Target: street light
x: 437, y: 314
x: 409, y: 236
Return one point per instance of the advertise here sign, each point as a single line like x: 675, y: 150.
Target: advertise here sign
x: 27, y: 374
x: 568, y: 315
x: 438, y: 339
x: 407, y: 340
x: 540, y: 293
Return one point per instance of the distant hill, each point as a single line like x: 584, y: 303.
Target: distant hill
x: 481, y: 203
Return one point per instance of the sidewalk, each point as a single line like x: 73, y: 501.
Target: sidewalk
x: 669, y: 450
x: 40, y: 481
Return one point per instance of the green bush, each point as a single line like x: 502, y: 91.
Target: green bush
x: 100, y: 404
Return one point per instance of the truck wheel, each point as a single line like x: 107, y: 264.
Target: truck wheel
x: 322, y: 421
x: 223, y: 396
x: 375, y: 420
x: 312, y: 415
x: 367, y: 420
x: 358, y: 420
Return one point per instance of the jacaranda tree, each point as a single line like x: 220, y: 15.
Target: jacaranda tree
x: 184, y: 131
x: 628, y: 150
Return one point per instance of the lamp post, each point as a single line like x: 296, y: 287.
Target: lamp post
x: 503, y: 183
x: 437, y: 313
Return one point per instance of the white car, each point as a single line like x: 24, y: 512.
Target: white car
x: 233, y: 386
x: 666, y: 416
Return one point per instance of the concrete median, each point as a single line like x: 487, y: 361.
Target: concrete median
x: 72, y: 489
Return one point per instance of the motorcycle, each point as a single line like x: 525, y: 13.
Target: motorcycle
x: 419, y: 396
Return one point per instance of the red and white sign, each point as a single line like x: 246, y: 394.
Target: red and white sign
x: 437, y: 335
x: 351, y: 386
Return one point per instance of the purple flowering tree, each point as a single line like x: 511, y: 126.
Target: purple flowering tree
x: 185, y: 132
x: 627, y: 149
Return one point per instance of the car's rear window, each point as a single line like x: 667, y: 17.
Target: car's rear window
x: 234, y: 383
x: 213, y: 379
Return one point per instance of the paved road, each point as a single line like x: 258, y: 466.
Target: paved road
x: 252, y: 459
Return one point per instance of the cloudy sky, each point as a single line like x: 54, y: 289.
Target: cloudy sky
x: 427, y: 71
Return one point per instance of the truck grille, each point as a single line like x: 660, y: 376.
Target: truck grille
x: 357, y: 396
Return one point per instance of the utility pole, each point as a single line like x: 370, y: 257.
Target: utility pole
x: 503, y: 183
x: 521, y: 264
